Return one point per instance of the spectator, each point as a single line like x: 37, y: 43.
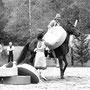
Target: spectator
x: 10, y: 50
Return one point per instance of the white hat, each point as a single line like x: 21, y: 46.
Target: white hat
x: 58, y: 16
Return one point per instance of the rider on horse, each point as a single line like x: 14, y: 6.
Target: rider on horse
x: 55, y: 21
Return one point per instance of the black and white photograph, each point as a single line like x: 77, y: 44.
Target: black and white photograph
x: 44, y: 44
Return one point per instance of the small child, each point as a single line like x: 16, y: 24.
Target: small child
x: 40, y: 59
x: 10, y: 50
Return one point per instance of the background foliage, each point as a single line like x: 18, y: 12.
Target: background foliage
x: 81, y: 50
x: 14, y: 17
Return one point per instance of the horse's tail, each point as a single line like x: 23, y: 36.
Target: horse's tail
x: 23, y: 53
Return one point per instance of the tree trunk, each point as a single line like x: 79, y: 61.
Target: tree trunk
x: 72, y: 60
x: 82, y: 62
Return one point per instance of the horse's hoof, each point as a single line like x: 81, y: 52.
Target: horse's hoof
x: 62, y: 77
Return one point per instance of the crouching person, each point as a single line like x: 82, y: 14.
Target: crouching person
x: 40, y: 59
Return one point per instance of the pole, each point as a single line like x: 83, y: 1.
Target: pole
x: 76, y: 21
x: 30, y: 17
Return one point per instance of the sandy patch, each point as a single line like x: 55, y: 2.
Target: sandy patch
x: 75, y: 79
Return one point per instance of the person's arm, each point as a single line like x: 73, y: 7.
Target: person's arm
x: 12, y: 48
x: 47, y: 48
x: 8, y: 50
x: 51, y: 24
x: 35, y: 49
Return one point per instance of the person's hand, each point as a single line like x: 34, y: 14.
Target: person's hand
x: 7, y: 52
x: 35, y: 49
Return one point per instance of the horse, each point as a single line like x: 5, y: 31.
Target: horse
x: 60, y: 52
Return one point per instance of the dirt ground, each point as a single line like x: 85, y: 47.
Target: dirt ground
x: 76, y: 78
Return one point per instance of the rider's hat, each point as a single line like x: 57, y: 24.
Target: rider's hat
x: 58, y: 17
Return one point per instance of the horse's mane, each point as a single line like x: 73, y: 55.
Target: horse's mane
x: 68, y: 27
x: 33, y: 44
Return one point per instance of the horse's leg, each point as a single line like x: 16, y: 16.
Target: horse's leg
x: 61, y: 66
x: 66, y: 64
x: 32, y: 58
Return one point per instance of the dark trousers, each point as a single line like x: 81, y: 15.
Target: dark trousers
x: 10, y: 58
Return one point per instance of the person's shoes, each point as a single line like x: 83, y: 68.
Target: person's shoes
x: 9, y: 65
x: 44, y: 78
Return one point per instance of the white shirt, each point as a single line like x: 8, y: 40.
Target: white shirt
x: 10, y: 49
x: 40, y: 46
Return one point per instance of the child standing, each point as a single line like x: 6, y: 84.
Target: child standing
x: 40, y: 59
x: 10, y: 50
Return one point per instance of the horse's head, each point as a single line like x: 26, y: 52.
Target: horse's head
x: 71, y: 30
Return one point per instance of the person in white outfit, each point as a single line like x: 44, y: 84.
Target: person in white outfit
x: 10, y: 50
x: 55, y: 21
x: 40, y: 59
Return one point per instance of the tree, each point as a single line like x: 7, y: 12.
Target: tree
x: 81, y: 49
x: 3, y: 20
x: 17, y: 13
